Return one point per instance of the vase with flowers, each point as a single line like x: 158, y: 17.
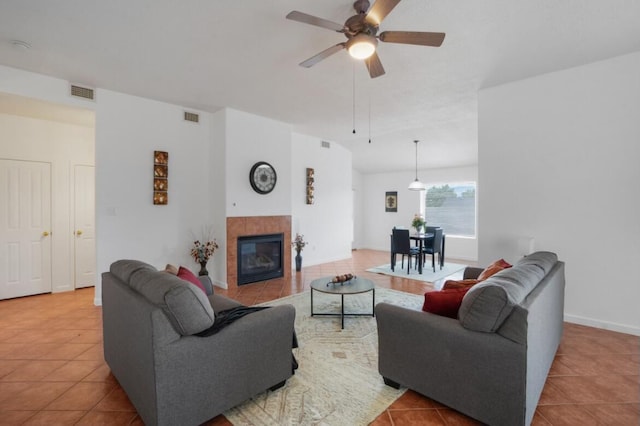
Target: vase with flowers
x: 298, y: 244
x: 202, y: 251
x: 418, y: 223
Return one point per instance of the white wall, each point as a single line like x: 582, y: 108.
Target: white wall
x: 38, y: 86
x: 129, y: 225
x: 558, y: 158
x: 249, y: 139
x: 216, y: 172
x: 327, y: 225
x: 378, y: 223
x: 209, y: 167
x: 63, y: 146
x: 357, y: 185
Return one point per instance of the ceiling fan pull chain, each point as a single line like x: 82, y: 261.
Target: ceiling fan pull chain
x: 369, y: 117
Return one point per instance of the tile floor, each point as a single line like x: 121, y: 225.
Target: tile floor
x: 52, y: 371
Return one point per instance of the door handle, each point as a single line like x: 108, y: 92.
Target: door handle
x: 45, y: 234
x: 79, y: 232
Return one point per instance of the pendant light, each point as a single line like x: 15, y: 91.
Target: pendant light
x: 416, y: 185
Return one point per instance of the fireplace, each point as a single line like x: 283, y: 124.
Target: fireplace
x: 260, y: 257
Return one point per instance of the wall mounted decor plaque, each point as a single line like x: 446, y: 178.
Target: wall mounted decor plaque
x: 310, y: 189
x: 160, y: 177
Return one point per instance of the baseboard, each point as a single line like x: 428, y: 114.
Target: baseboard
x: 321, y: 261
x: 220, y: 284
x: 605, y: 325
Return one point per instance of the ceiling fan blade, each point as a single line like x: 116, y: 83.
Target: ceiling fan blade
x: 374, y: 65
x: 412, y: 37
x: 314, y: 20
x: 379, y: 10
x: 322, y: 55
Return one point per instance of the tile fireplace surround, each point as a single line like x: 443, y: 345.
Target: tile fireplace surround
x: 255, y: 225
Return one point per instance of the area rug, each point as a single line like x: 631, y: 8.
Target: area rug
x: 337, y: 382
x: 427, y: 273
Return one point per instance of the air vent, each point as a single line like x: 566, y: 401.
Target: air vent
x: 81, y: 92
x: 326, y: 144
x: 190, y: 116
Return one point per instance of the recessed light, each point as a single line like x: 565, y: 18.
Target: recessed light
x: 21, y: 45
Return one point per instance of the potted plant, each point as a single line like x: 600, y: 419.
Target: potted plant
x: 418, y: 222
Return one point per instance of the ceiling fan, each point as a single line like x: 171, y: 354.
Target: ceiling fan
x: 362, y: 35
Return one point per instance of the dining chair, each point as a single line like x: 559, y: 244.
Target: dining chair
x: 401, y: 244
x: 435, y: 246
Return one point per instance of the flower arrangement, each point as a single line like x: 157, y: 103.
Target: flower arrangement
x: 298, y: 243
x: 418, y: 222
x: 201, y: 252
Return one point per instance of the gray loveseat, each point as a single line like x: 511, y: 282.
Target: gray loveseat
x: 491, y: 362
x: 171, y: 376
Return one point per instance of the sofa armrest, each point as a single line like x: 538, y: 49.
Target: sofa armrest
x: 220, y: 371
x: 439, y: 358
x: 206, y: 283
x: 471, y: 272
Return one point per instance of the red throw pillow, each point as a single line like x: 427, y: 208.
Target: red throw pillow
x: 189, y: 276
x: 495, y: 267
x: 444, y: 302
x: 459, y: 284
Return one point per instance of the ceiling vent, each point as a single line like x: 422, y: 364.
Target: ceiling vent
x: 82, y: 92
x: 325, y: 144
x: 191, y: 116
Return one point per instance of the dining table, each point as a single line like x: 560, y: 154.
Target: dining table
x: 421, y: 238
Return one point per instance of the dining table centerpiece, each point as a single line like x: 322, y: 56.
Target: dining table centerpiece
x: 298, y: 244
x: 202, y: 252
x: 418, y: 223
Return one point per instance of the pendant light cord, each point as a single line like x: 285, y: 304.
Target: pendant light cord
x: 416, y: 142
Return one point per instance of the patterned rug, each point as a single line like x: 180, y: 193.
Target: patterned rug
x: 337, y: 382
x: 427, y: 273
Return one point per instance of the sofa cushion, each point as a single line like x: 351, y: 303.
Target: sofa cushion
x: 186, y: 306
x: 494, y: 268
x: 123, y: 269
x: 444, y: 302
x: 542, y: 259
x: 187, y: 275
x: 449, y: 284
x: 487, y: 304
x: 484, y: 307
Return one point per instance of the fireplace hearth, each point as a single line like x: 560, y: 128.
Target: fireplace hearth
x: 260, y: 257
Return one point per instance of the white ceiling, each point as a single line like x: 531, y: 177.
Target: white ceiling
x: 244, y: 54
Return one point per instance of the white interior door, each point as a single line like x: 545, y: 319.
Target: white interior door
x: 25, y: 228
x: 84, y: 227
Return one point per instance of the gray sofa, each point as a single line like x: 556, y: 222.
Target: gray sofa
x: 171, y: 376
x: 491, y: 362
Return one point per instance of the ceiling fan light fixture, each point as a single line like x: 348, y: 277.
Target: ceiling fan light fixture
x: 362, y: 46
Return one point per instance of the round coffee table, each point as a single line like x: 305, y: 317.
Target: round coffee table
x: 356, y: 285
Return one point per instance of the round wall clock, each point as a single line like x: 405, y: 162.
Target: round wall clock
x: 262, y: 177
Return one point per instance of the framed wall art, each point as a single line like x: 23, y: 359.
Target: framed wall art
x: 391, y: 201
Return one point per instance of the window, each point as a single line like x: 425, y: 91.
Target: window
x: 452, y: 206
